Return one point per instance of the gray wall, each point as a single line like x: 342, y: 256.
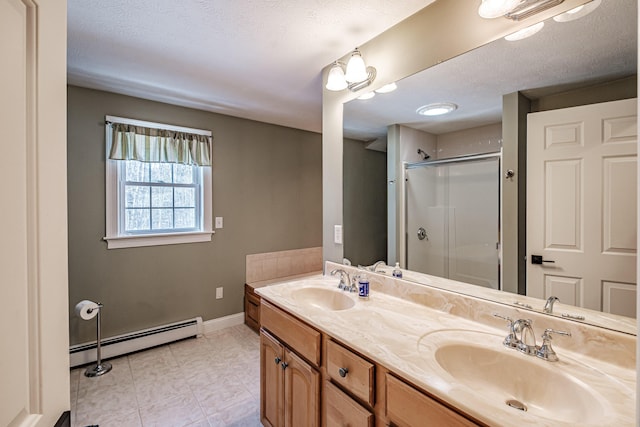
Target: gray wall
x: 267, y: 184
x: 365, y: 203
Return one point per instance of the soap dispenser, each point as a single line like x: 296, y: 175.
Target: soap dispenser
x: 396, y: 271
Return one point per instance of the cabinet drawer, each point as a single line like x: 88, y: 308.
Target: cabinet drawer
x: 407, y: 407
x: 341, y: 410
x: 297, y: 335
x: 351, y: 371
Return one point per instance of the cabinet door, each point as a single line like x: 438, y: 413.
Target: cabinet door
x: 271, y: 381
x: 301, y: 393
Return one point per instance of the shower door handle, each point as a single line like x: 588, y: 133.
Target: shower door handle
x: 422, y: 234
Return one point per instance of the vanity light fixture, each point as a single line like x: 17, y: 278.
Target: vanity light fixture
x: 525, y: 32
x: 357, y: 75
x: 366, y: 96
x: 437, y: 109
x: 387, y: 88
x: 496, y: 8
x: 578, y: 12
x: 516, y: 10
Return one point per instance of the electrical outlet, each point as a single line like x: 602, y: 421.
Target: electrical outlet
x: 219, y: 293
x: 219, y: 222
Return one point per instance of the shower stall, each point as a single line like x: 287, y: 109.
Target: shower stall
x: 452, y: 218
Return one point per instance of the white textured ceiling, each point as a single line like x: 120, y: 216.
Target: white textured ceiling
x: 257, y: 59
x: 599, y: 47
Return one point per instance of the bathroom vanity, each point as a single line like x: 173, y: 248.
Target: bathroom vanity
x: 413, y: 355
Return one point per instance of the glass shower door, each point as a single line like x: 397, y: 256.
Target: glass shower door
x: 452, y: 220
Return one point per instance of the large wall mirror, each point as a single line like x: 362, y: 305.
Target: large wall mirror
x: 577, y: 59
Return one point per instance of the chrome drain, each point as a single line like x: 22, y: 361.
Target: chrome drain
x: 517, y: 405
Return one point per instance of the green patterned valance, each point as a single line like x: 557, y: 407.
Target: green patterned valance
x: 131, y: 142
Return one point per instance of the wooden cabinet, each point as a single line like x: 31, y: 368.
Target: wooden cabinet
x: 271, y: 381
x: 341, y: 410
x: 297, y: 335
x: 289, y: 385
x: 301, y: 392
x: 251, y: 308
x: 352, y: 372
x: 409, y: 407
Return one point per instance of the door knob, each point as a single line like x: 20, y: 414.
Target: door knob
x: 537, y: 259
x: 422, y: 234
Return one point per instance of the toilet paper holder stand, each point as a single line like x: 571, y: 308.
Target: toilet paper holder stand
x: 100, y: 368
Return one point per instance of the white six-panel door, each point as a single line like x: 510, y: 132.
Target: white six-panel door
x: 582, y: 205
x: 34, y: 356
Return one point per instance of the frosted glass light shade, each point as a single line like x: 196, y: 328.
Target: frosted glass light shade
x: 525, y: 32
x: 578, y: 12
x: 336, y: 80
x: 496, y: 8
x: 356, y: 69
x: 387, y: 88
x: 366, y: 96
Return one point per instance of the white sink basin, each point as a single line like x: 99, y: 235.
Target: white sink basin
x: 505, y: 378
x: 323, y: 298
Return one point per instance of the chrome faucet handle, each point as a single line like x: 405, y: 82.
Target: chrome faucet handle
x: 548, y: 306
x: 343, y: 284
x: 545, y: 351
x: 510, y: 340
x: 354, y: 286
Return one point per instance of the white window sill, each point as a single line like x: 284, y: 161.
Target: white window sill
x: 118, y: 242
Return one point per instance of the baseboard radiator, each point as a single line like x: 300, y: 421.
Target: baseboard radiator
x: 82, y: 354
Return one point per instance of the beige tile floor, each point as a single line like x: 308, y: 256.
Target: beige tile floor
x: 205, y: 382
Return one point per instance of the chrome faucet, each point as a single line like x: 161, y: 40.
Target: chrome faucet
x: 344, y: 283
x: 546, y: 351
x: 376, y: 265
x: 548, y: 307
x: 527, y: 339
x: 522, y: 338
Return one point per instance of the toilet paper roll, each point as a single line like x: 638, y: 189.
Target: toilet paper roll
x: 87, y: 309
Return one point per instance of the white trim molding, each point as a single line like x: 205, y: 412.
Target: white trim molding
x: 214, y: 325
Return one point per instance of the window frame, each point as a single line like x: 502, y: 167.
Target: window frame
x: 114, y: 181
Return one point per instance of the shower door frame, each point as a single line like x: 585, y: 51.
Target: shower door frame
x: 451, y: 160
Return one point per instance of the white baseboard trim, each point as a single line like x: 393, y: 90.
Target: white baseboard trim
x: 213, y: 325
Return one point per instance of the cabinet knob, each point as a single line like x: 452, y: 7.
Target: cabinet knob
x: 343, y: 372
x: 278, y: 360
x: 284, y: 365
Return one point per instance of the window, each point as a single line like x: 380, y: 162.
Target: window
x: 154, y: 203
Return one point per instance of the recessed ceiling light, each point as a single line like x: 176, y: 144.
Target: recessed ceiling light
x: 387, y: 88
x: 367, y: 95
x: 525, y: 32
x: 578, y: 12
x: 436, y: 109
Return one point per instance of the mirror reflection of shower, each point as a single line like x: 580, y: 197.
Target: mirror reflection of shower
x: 453, y: 218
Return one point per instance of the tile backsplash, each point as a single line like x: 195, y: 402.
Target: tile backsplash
x: 272, y: 265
